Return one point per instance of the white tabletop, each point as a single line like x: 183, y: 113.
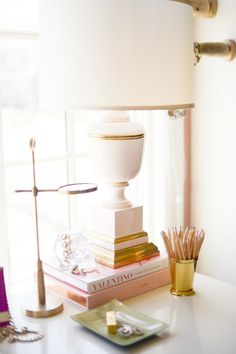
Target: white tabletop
x: 203, y: 323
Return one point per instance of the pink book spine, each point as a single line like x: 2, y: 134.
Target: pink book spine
x: 120, y: 292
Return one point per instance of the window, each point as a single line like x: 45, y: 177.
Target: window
x: 59, y: 160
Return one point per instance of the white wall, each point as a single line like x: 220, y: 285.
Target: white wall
x: 4, y: 256
x: 213, y: 131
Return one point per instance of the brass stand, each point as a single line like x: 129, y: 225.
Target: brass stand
x: 44, y: 307
x: 41, y: 308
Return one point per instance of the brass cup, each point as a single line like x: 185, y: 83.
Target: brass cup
x: 182, y: 275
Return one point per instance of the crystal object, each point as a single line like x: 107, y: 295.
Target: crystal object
x: 73, y: 251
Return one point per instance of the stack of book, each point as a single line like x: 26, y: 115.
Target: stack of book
x: 104, y: 283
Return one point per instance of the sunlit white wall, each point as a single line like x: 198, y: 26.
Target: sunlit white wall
x: 213, y: 149
x: 4, y: 259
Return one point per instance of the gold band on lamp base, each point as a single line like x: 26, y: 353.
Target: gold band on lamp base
x: 51, y: 308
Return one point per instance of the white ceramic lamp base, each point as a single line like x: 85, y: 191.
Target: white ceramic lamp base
x: 116, y: 147
x: 114, y: 196
x: 116, y: 223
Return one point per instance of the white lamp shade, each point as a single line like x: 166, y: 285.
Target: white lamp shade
x: 116, y: 54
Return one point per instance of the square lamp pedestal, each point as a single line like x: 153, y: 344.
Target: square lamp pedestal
x: 118, y: 238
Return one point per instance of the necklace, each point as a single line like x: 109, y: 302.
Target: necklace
x: 7, y: 326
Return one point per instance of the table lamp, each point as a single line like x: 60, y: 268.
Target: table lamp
x: 116, y: 56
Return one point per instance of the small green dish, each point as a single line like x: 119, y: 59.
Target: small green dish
x: 95, y: 321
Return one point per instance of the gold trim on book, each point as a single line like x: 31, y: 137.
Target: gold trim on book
x: 120, y: 239
x: 115, y: 137
x: 4, y: 316
x: 123, y: 263
x: 129, y: 251
x: 125, y: 256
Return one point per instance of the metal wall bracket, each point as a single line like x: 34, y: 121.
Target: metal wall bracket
x: 202, y: 8
x: 175, y: 114
x: 225, y: 50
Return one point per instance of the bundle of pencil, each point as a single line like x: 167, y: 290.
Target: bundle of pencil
x: 183, y: 244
